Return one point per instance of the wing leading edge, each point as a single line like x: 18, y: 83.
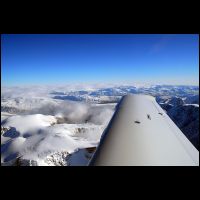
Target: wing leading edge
x: 140, y: 133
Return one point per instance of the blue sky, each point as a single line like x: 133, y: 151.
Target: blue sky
x: 99, y: 58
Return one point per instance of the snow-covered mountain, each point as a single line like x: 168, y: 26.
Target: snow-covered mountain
x: 52, y: 134
x: 62, y: 125
x: 40, y: 137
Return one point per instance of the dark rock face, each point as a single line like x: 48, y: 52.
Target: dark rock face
x: 194, y: 99
x: 11, y: 132
x: 175, y: 101
x: 166, y: 106
x: 25, y: 162
x: 192, y: 130
x: 186, y: 117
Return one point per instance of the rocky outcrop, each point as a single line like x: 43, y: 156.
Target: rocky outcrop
x: 186, y: 117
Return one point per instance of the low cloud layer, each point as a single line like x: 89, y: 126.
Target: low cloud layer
x: 38, y: 100
x: 77, y: 112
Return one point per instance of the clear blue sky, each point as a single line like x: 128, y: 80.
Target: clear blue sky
x: 63, y: 58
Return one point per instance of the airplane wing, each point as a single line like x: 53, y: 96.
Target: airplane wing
x: 140, y: 133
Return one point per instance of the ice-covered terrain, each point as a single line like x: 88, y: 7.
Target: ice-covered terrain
x: 62, y: 125
x: 37, y: 137
x: 44, y: 131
